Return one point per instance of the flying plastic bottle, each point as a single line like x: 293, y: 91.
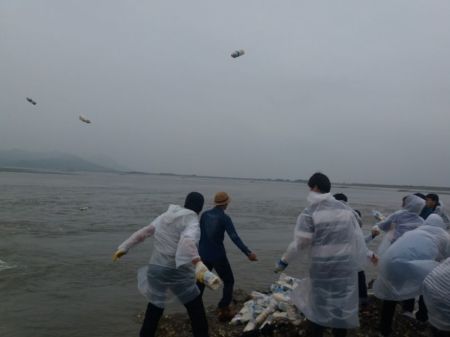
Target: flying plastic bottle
x: 237, y: 53
x: 30, y: 100
x: 84, y: 119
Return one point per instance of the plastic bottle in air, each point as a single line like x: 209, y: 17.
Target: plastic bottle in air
x: 237, y: 53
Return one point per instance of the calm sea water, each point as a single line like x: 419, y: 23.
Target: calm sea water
x: 56, y: 274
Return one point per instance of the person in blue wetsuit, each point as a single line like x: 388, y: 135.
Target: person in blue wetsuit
x: 213, y: 225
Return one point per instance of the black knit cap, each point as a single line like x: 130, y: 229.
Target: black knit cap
x: 420, y: 195
x: 194, y: 201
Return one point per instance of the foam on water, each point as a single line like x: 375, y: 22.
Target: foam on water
x: 4, y: 265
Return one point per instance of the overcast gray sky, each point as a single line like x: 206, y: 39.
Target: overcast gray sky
x: 357, y: 89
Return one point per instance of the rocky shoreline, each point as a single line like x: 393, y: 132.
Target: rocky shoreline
x: 178, y: 325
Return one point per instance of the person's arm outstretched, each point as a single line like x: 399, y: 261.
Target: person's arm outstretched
x: 133, y: 240
x: 384, y: 225
x: 231, y: 231
x: 303, y: 232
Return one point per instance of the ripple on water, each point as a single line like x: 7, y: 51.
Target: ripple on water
x: 4, y: 265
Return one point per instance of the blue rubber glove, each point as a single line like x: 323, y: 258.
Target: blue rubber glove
x: 280, y: 266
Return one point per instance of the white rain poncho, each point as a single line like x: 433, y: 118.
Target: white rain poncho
x: 329, y: 296
x: 401, y: 221
x: 410, y: 259
x: 440, y: 210
x: 436, y: 294
x: 176, y: 234
x: 435, y: 220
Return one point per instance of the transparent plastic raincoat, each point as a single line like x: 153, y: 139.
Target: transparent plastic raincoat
x: 440, y: 210
x: 436, y: 294
x: 401, y: 221
x: 176, y: 234
x: 410, y: 259
x: 330, y: 230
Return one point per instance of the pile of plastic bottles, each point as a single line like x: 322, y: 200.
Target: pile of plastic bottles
x: 268, y: 309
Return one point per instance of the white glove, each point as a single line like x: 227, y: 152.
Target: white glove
x: 378, y: 216
x: 375, y: 231
x: 200, y: 270
x: 203, y: 275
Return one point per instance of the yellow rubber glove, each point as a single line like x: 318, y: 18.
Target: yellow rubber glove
x: 117, y: 255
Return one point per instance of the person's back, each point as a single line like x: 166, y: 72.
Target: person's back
x: 168, y: 229
x: 405, y: 221
x: 213, y: 225
x: 329, y: 297
x: 400, y: 222
x: 334, y: 261
x: 332, y: 238
x: 212, y: 229
x: 409, y: 260
x: 362, y: 283
x: 405, y: 265
x: 436, y: 294
x: 440, y: 210
x: 171, y: 267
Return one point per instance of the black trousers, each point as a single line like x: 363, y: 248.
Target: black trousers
x: 387, y: 315
x: 223, y: 269
x: 388, y: 311
x: 438, y: 333
x: 362, y: 285
x: 317, y: 331
x: 196, y: 312
x: 422, y: 314
x: 408, y: 305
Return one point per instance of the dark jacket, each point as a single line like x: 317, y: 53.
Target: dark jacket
x: 213, y: 225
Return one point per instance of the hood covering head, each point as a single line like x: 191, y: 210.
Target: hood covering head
x: 194, y: 201
x: 413, y: 203
x: 435, y: 221
x: 174, y: 212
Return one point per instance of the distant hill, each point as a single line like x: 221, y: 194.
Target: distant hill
x: 48, y: 161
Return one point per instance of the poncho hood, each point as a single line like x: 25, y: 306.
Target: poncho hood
x: 413, y: 204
